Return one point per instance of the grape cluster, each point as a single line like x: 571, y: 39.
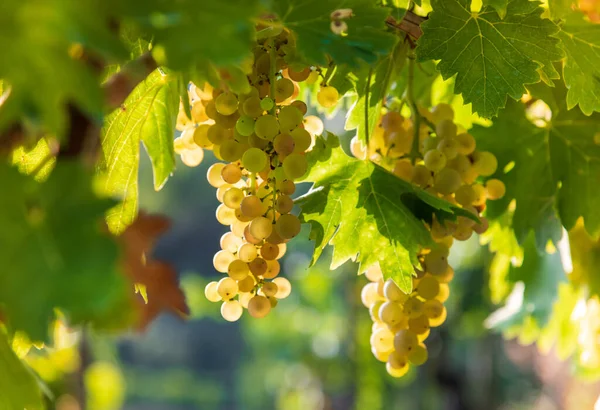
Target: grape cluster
x: 448, y: 166
x: 262, y: 137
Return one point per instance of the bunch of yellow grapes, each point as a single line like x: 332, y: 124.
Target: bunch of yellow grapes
x: 262, y: 137
x: 448, y: 166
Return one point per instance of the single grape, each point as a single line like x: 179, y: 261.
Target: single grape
x: 465, y: 195
x: 238, y: 270
x: 446, y: 129
x: 230, y: 242
x: 434, y: 160
x: 192, y: 158
x: 284, y: 88
x: 252, y: 206
x: 222, y: 259
x: 301, y: 106
x: 266, y: 127
x: 266, y: 104
x: 226, y: 103
x: 299, y: 76
x: 328, y: 96
x: 419, y: 325
x: 495, y: 189
x: 252, y: 107
x: 286, y: 186
x: 254, y: 160
x: 269, y: 288
x: 436, y: 261
x: 314, y: 125
x: 245, y: 125
x: 284, y: 204
x: 413, y: 307
x: 201, y: 136
x: 259, y: 306
x: 382, y: 340
x: 418, y: 355
x: 485, y: 163
x: 390, y: 313
x: 465, y: 143
x: 405, y: 341
x: 357, y: 149
x: 225, y: 215
x: 442, y: 112
x: 273, y: 269
x: 374, y: 273
x: 369, y: 295
x: 231, y: 150
x: 421, y: 176
x: 284, y: 144
x: 284, y: 288
x: 258, y: 266
x: 231, y: 173
x: 295, y: 166
x: 428, y: 287
x: 269, y: 251
x: 392, y: 292
x: 288, y: 226
x: 403, y: 169
x: 211, y: 293
x: 217, y: 134
x: 227, y: 288
x: 447, y: 181
x: 231, y: 310
x: 261, y: 228
x: 289, y: 118
x: 448, y: 147
x: 247, y: 252
x: 302, y: 140
x: 246, y: 285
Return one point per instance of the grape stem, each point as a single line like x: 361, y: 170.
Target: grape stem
x: 414, y: 111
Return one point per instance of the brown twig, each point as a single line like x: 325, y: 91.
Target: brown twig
x: 410, y: 24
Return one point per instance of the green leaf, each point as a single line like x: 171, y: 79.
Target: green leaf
x: 491, y: 57
x: 148, y: 115
x: 535, y: 288
x: 38, y: 160
x: 529, y: 182
x: 424, y: 77
x: 37, y: 64
x: 381, y: 75
x: 559, y: 8
x: 52, y: 243
x: 188, y: 33
x: 310, y: 20
x: 499, y: 5
x: 366, y: 213
x: 19, y: 387
x: 585, y: 257
x: 580, y: 40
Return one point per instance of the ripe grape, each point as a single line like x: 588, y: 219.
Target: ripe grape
x: 226, y: 103
x: 465, y: 143
x: 231, y: 173
x: 261, y: 228
x: 266, y: 104
x: 434, y: 160
x: 495, y: 189
x: 446, y: 129
x: 211, y: 293
x: 446, y: 181
x: 418, y: 355
x: 245, y: 125
x: 247, y: 252
x: 295, y: 166
x: 390, y: 313
x: 284, y: 144
x: 192, y: 158
x: 259, y: 306
x: 254, y: 160
x: 405, y: 341
x: 288, y: 226
x: 227, y: 288
x: 485, y: 163
x: 231, y: 310
x: 252, y: 206
x: 269, y: 288
x: 284, y: 288
x: 284, y: 88
x: 302, y: 139
x: 266, y: 127
x: 238, y: 270
x: 328, y: 96
x: 284, y: 204
x: 258, y: 266
x: 286, y: 187
x: 428, y: 287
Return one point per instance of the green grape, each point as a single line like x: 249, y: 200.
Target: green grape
x: 266, y: 104
x: 436, y: 261
x: 295, y: 166
x: 221, y: 192
x: 252, y: 206
x: 269, y: 288
x: 225, y: 215
x: 284, y: 144
x: 289, y: 118
x: 192, y: 158
x: 418, y: 355
x: 382, y: 340
x: 247, y: 284
x: 392, y: 292
x: 495, y: 189
x: 302, y: 139
x: 390, y: 313
x: 258, y: 266
x: 273, y: 269
x: 312, y: 77
x: 419, y: 325
x: 266, y: 127
x: 231, y: 173
x: 375, y: 309
x: 301, y: 106
x: 480, y: 195
x: 227, y: 288
x: 259, y: 306
x: 413, y: 307
x: 211, y: 293
x: 211, y: 110
x: 284, y: 204
x: 231, y: 150
x: 245, y: 125
x: 485, y: 163
x: 433, y: 309
x: 428, y: 287
x: 288, y: 226
x: 233, y: 198
x: 368, y: 294
x: 256, y: 142
x: 434, y: 160
x: 429, y: 143
x: 252, y: 107
x: 261, y: 228
x: 238, y: 227
x: 405, y: 341
x: 446, y: 129
x: 465, y: 143
x: 397, y: 365
x: 238, y: 270
x: 269, y: 251
x: 229, y: 242
x: 447, y: 181
x: 299, y: 76
x: 437, y: 321
x: 254, y: 160
x: 201, y: 136
x: 328, y: 96
x: 247, y: 252
x: 284, y: 88
x: 231, y: 310
x: 465, y: 195
x: 442, y: 112
x: 286, y: 186
x: 284, y: 288
x: 421, y: 176
x: 217, y: 134
x: 226, y: 103
x: 448, y: 147
x: 213, y: 175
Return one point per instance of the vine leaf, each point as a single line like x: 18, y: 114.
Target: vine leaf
x: 148, y: 116
x: 156, y: 280
x: 559, y: 8
x: 311, y: 22
x: 367, y: 213
x: 384, y: 71
x: 491, y: 57
x: 535, y: 288
x: 499, y: 5
x: 20, y: 389
x: 581, y: 42
x: 52, y: 240
x: 43, y: 54
x: 556, y: 169
x: 585, y: 255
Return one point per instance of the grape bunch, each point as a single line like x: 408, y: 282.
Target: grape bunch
x: 448, y: 166
x: 262, y: 137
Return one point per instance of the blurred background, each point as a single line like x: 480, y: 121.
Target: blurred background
x: 311, y: 353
